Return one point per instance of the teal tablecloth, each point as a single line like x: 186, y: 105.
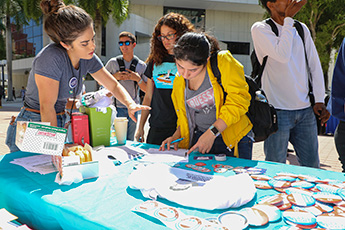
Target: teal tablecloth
x: 104, y: 203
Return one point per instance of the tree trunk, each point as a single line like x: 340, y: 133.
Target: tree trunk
x: 9, y: 58
x: 98, y: 34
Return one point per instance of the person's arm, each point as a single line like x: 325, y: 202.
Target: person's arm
x: 206, y: 140
x: 145, y: 113
x: 134, y: 76
x: 48, y: 90
x: 175, y: 136
x: 106, y: 79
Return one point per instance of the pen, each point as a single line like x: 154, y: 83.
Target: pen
x: 175, y: 141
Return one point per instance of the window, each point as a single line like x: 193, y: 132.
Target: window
x: 27, y: 39
x: 238, y: 47
x: 195, y: 16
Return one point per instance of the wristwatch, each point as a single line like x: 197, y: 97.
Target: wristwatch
x: 214, y: 130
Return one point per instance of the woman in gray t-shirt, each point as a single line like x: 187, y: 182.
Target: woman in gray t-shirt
x: 58, y: 70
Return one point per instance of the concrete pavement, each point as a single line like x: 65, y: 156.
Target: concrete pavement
x: 328, y: 154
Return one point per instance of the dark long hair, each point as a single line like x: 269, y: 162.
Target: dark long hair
x: 195, y: 47
x: 176, y: 21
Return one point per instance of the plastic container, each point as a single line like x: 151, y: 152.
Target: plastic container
x: 100, y: 124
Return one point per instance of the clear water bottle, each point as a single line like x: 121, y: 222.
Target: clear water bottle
x: 259, y: 96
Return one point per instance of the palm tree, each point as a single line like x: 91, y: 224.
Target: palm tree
x: 100, y: 11
x: 11, y: 9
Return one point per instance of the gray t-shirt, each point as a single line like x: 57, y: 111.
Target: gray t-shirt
x: 53, y: 62
x: 201, y: 104
x: 113, y: 66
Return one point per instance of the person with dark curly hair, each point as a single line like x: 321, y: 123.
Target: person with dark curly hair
x: 160, y: 71
x: 58, y: 69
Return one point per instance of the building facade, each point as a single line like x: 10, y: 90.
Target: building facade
x: 228, y: 20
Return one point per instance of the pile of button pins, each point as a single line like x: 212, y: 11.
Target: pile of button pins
x: 218, y: 168
x: 306, y: 202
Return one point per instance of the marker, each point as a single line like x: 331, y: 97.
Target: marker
x: 175, y: 141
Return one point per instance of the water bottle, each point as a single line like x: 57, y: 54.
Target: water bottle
x: 260, y: 97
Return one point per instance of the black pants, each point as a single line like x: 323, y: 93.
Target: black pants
x: 157, y: 135
x: 339, y: 139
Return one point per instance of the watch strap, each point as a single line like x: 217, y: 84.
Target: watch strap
x: 214, y: 130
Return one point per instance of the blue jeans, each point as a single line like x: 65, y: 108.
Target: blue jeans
x: 131, y: 127
x: 25, y: 115
x: 245, y: 146
x: 339, y: 139
x: 299, y: 127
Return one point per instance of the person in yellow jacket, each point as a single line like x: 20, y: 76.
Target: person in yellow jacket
x: 205, y: 122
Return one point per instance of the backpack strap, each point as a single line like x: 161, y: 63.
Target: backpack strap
x: 300, y: 32
x: 132, y: 67
x: 121, y: 63
x: 257, y: 77
x: 134, y: 63
x: 273, y: 26
x: 216, y: 72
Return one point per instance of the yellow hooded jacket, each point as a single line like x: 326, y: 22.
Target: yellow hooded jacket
x: 233, y: 112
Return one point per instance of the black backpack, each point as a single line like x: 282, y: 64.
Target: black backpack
x: 262, y: 115
x: 132, y: 67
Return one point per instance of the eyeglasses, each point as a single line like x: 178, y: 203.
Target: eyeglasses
x: 126, y: 43
x: 168, y: 37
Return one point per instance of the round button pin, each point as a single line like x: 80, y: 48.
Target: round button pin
x: 273, y: 200
x: 262, y: 185
x: 279, y: 184
x: 233, y: 220
x: 271, y: 211
x: 261, y: 177
x: 302, y: 184
x: 255, y: 217
x: 327, y: 197
x: 299, y: 217
x: 331, y: 221
x: 285, y: 178
x: 301, y: 199
x: 220, y: 170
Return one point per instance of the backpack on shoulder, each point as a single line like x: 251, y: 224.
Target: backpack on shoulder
x: 262, y: 115
x: 132, y: 67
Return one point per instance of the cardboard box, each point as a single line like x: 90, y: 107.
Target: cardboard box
x: 50, y: 140
x: 100, y: 124
x: 69, y: 165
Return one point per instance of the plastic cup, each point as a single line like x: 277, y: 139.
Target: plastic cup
x: 120, y: 124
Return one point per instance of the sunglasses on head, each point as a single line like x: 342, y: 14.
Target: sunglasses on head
x: 126, y: 43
